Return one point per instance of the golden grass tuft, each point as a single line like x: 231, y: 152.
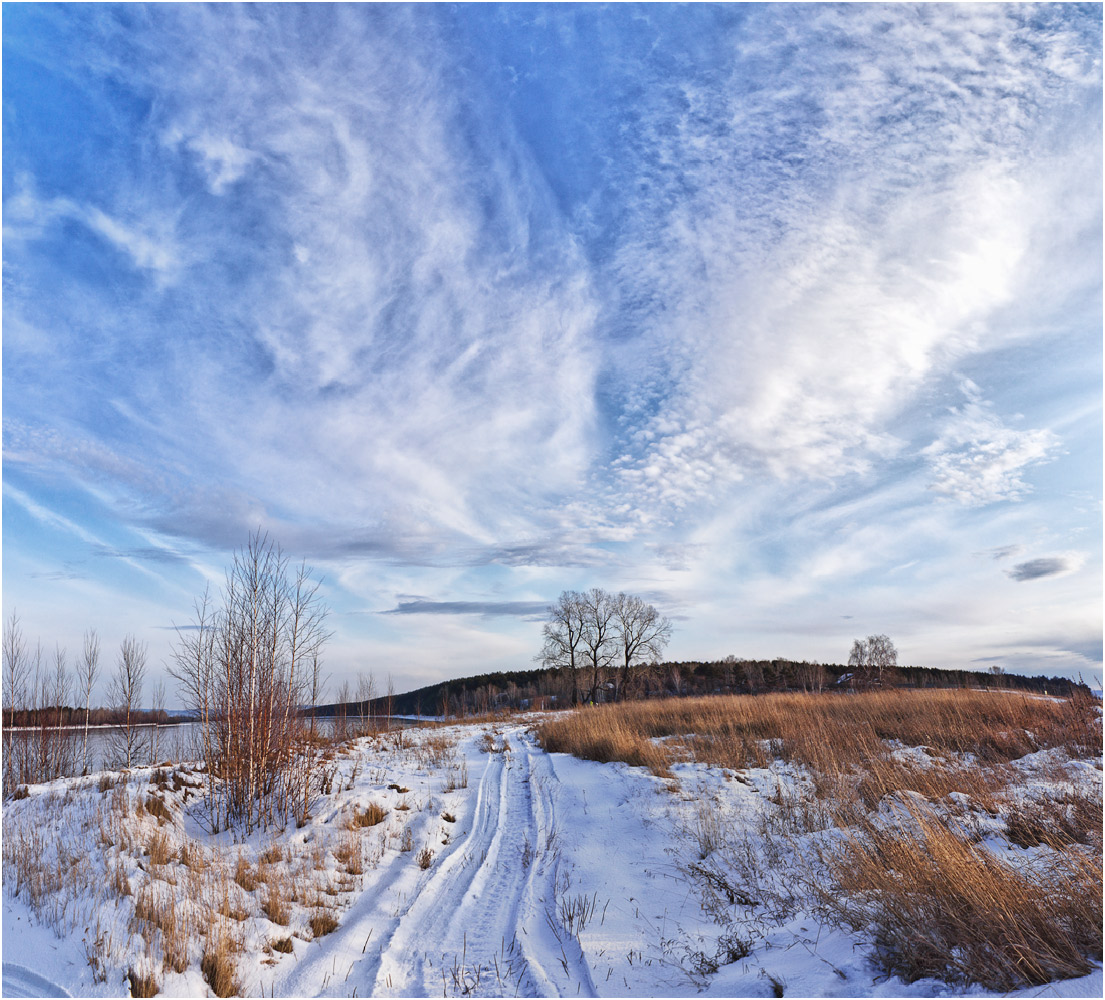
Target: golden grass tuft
x: 371, y: 816
x: 323, y: 922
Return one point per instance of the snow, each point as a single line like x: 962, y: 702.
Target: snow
x: 556, y: 877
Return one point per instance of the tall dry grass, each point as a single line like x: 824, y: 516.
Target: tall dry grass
x: 828, y: 733
x: 940, y: 906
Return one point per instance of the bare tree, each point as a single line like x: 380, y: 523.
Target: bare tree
x: 126, y: 697
x: 87, y: 670
x: 598, y: 636
x: 157, y: 703
x: 640, y: 632
x: 366, y: 694
x: 882, y: 655
x: 340, y: 710
x: 563, y: 638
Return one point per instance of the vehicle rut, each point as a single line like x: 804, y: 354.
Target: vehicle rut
x: 482, y: 920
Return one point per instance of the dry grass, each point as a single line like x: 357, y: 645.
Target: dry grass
x: 1070, y: 818
x: 323, y: 922
x: 219, y: 964
x: 372, y: 815
x: 160, y: 849
x: 244, y: 874
x: 608, y: 734
x: 143, y: 984
x: 828, y: 733
x: 942, y: 907
x: 274, y: 906
x: 425, y: 858
x: 283, y: 945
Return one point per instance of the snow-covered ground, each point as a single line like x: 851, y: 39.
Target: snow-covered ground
x: 498, y: 869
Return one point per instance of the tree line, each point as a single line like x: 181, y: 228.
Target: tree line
x: 552, y: 688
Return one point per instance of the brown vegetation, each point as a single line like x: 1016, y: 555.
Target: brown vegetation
x: 943, y: 907
x: 827, y: 733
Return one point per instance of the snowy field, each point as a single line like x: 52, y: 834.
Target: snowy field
x: 453, y: 861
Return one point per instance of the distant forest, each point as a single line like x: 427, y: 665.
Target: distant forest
x: 546, y: 689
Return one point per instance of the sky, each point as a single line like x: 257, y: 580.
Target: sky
x: 784, y: 317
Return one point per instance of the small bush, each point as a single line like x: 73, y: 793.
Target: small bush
x: 425, y: 858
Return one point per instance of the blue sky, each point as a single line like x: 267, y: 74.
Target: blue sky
x: 787, y: 317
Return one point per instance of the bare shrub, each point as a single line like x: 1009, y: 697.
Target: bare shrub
x: 244, y: 669
x: 425, y: 858
x: 406, y: 842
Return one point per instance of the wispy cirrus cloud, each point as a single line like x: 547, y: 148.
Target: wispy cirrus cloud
x: 508, y: 300
x: 520, y: 609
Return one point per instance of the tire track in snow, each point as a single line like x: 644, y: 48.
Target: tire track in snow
x: 19, y: 981
x: 481, y: 921
x: 371, y: 922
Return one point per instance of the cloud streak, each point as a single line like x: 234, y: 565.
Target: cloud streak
x: 520, y: 609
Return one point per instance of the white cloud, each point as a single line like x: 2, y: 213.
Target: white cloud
x: 978, y: 460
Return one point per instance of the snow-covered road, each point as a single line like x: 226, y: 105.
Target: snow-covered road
x: 481, y: 920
